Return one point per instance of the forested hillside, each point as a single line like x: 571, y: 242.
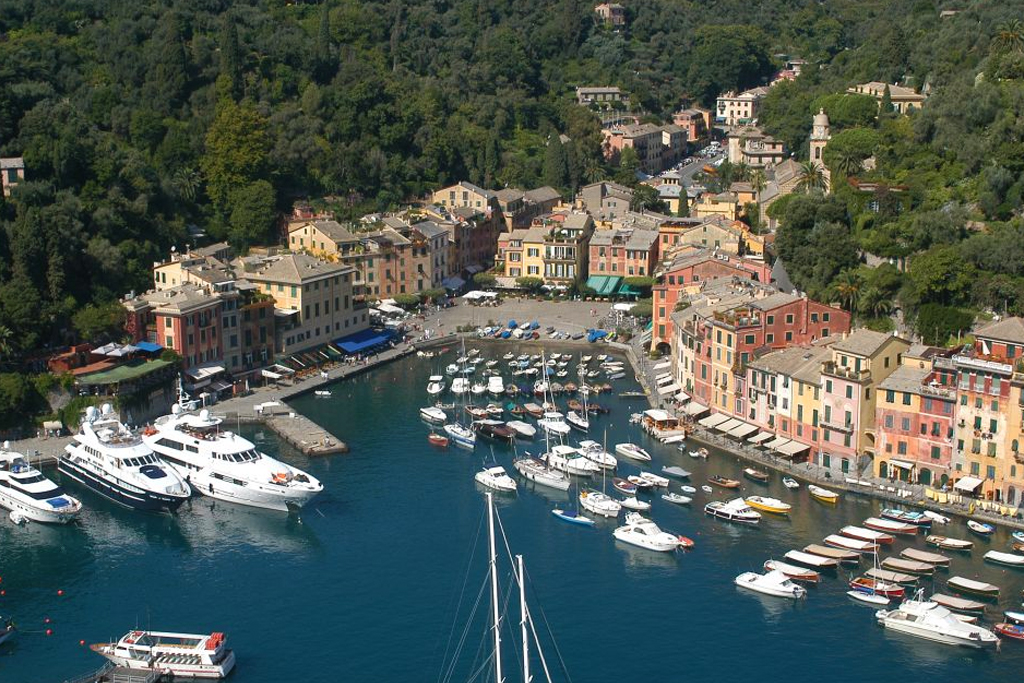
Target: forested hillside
x: 139, y: 119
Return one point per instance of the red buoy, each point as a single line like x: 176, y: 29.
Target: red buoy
x: 49, y: 631
x: 81, y: 642
x: 60, y: 591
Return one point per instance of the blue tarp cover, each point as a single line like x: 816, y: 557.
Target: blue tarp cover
x: 360, y: 341
x: 594, y: 335
x: 148, y: 347
x: 511, y: 324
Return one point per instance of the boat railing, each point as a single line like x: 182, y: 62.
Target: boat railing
x: 113, y: 674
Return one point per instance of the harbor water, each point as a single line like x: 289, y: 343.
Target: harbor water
x: 362, y: 586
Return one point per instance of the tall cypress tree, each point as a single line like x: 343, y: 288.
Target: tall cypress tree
x: 556, y: 166
x: 231, y: 57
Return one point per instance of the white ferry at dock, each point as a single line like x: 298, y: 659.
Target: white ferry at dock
x: 181, y: 655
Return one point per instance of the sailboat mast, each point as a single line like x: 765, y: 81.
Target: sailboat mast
x: 494, y: 590
x: 523, y: 620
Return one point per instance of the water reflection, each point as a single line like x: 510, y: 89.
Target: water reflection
x: 774, y: 608
x: 214, y: 527
x: 640, y: 560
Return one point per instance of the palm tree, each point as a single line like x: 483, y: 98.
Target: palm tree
x: 810, y: 178
x: 847, y: 289
x: 847, y: 163
x: 1010, y: 36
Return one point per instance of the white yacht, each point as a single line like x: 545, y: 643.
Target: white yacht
x: 478, y: 388
x: 571, y: 461
x: 433, y: 414
x: 592, y: 450
x: 27, y: 493
x: 600, y: 503
x: 578, y: 421
x: 496, y: 478
x: 522, y: 429
x: 932, y: 621
x: 644, y: 533
x: 631, y: 450
x: 736, y: 510
x: 182, y: 655
x: 772, y: 583
x: 553, y: 423
x: 461, y: 435
x: 435, y: 385
x: 460, y: 385
x: 537, y: 471
x: 224, y: 465
x: 495, y: 385
x: 113, y: 461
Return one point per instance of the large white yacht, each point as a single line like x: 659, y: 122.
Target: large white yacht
x: 113, y: 461
x: 224, y: 465
x: 181, y: 655
x: 931, y: 621
x: 27, y: 493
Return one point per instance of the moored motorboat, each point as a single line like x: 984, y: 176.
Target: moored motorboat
x: 965, y: 585
x: 790, y: 483
x: 863, y: 534
x: 873, y: 599
x: 533, y: 410
x: 889, y: 526
x: 644, y: 533
x: 837, y: 554
x: 823, y: 495
x: 766, y: 504
x: 522, y: 429
x: 495, y: 477
x: 724, y: 482
x: 592, y: 450
x: 624, y: 486
x: 433, y: 414
x: 1010, y: 616
x: 756, y: 475
x: 847, y: 543
x: 931, y: 621
x: 894, y: 577
x: 30, y: 495
x: 947, y: 543
x: 1012, y: 631
x: 537, y: 471
x: 706, y: 489
x: 909, y: 566
x: 436, y: 439
x: 435, y: 385
x: 632, y: 451
x: 735, y: 510
x: 462, y: 436
x: 571, y: 461
x: 811, y: 560
x: 677, y: 472
x: 676, y: 498
x: 936, y: 517
x: 792, y: 571
x: 495, y: 430
x: 689, y: 490
x: 654, y: 479
x: 181, y: 655
x: 981, y: 528
x: 600, y: 503
x: 554, y: 423
x: 773, y: 583
x: 958, y: 604
x: 1005, y: 559
x: 924, y: 556
x: 907, y: 516
x: 634, y: 503
x: 640, y: 483
x: 699, y: 453
x: 578, y: 421
x: 866, y: 584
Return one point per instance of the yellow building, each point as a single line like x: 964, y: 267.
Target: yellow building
x: 324, y: 239
x: 722, y: 204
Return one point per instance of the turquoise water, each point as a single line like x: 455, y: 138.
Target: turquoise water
x: 363, y: 586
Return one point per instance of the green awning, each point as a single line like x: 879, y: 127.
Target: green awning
x: 628, y: 290
x: 604, y: 285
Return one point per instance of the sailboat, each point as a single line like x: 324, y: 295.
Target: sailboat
x: 456, y: 431
x: 873, y: 591
x: 579, y: 420
x: 573, y: 516
x: 539, y: 471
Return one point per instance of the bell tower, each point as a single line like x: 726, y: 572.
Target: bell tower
x: 820, y: 135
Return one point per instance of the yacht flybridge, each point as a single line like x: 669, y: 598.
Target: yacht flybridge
x: 225, y: 465
x: 183, y: 655
x: 113, y: 461
x: 28, y: 494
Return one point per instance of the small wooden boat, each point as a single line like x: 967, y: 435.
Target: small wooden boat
x: 812, y: 560
x: 676, y: 498
x: 685, y: 543
x: 477, y: 412
x: 769, y: 505
x: 572, y: 517
x: 866, y: 584
x: 957, y: 604
x: 908, y: 566
x: 863, y: 534
x: 641, y: 483
x: 699, y: 453
x: 906, y: 516
x: 623, y: 486
x: 756, y: 475
x: 687, y: 489
x: 677, y: 472
x: 706, y: 489
x: 790, y: 483
x: 792, y: 571
x: 947, y: 543
x: 1017, y: 546
x: 533, y: 410
x: 891, y: 576
x: 924, y: 556
x: 575, y: 405
x: 1012, y: 631
x: 964, y: 585
x: 655, y: 479
x: 823, y: 495
x: 1005, y: 559
x: 889, y: 526
x: 517, y: 410
x: 847, y: 543
x: 980, y: 528
x: 437, y: 440
x: 844, y: 556
x: 724, y: 482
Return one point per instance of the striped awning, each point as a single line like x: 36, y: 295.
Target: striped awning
x: 713, y: 420
x: 761, y: 438
x: 727, y: 425
x: 659, y: 377
x: 665, y: 380
x: 743, y: 430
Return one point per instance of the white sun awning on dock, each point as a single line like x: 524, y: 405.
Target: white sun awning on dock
x: 682, y: 397
x: 669, y: 389
x: 694, y: 409
x: 902, y: 464
x: 761, y: 438
x: 743, y: 430
x: 713, y: 420
x: 776, y: 442
x: 968, y: 484
x: 727, y: 425
x: 792, y: 448
x: 663, y: 365
x: 664, y: 378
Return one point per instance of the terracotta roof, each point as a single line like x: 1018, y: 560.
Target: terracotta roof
x: 863, y: 342
x: 296, y: 269
x: 1006, y: 330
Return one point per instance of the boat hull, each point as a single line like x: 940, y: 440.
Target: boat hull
x: 136, y: 499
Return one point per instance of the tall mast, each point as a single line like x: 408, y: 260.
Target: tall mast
x: 494, y: 590
x: 523, y: 620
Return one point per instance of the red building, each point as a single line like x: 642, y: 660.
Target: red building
x: 624, y: 252
x: 186, y: 319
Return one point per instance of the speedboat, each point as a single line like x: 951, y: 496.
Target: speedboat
x: 113, y: 461
x: 624, y: 486
x: 706, y: 489
x: 572, y: 517
x: 931, y: 621
x: 460, y: 385
x: 553, y: 423
x: 735, y: 510
x: 873, y: 599
x: 644, y: 533
x: 769, y: 505
x: 28, y: 494
x: 1010, y: 616
x: 433, y: 414
x: 674, y: 471
x: 571, y: 461
x: 773, y: 583
x: 533, y: 410
x: 435, y: 385
x: 1014, y: 631
x: 980, y: 528
x: 685, y: 488
x: 790, y: 483
x: 907, y: 517
x: 699, y: 453
x: 792, y: 571
x: 182, y: 655
x: 947, y: 543
x: 496, y: 478
x: 824, y: 495
x: 936, y: 517
x: 654, y: 479
x: 889, y: 526
x: 631, y: 450
x: 869, y: 535
x: 537, y: 471
x: 478, y: 389
x: 495, y: 385
x: 1005, y: 559
x: 676, y: 498
x: 578, y: 421
x: 224, y: 465
x: 461, y: 435
x: 592, y: 450
x: 600, y: 503
x: 522, y: 429
x: 634, y: 503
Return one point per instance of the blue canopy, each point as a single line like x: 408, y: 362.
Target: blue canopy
x: 594, y: 335
x: 512, y: 324
x: 360, y: 341
x: 535, y: 325
x: 148, y: 347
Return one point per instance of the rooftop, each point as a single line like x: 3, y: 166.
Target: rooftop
x: 180, y: 299
x: 905, y: 378
x: 296, y: 269
x: 863, y: 342
x: 1006, y: 330
x: 542, y: 194
x: 800, y: 362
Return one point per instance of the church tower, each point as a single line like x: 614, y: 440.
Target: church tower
x: 820, y: 135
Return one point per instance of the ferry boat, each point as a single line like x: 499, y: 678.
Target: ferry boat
x: 224, y: 465
x: 184, y: 655
x: 28, y: 494
x: 113, y: 461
